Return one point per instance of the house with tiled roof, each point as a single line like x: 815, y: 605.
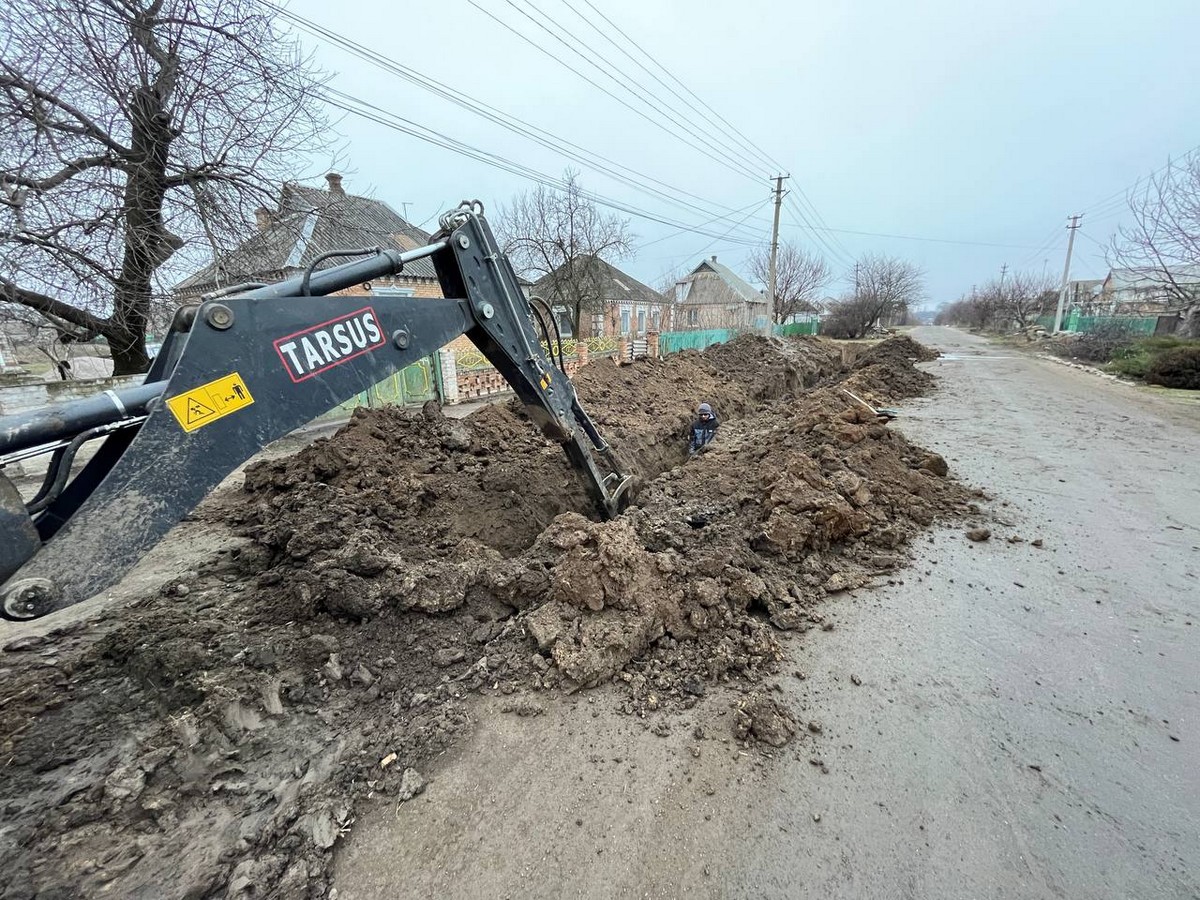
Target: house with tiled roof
x: 618, y: 305
x: 712, y: 295
x: 308, y: 222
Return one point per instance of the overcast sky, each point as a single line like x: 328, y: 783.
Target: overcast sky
x: 985, y: 122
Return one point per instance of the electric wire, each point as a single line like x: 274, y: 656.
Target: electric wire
x: 638, y: 180
x: 606, y: 68
x: 604, y: 90
x: 669, y: 74
x: 391, y: 120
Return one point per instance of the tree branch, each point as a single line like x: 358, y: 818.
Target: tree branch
x: 49, y: 306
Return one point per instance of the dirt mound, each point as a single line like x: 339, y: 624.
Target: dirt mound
x: 215, y: 737
x: 896, y: 351
x: 885, y: 372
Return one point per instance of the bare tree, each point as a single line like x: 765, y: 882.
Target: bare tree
x: 1025, y: 296
x: 139, y: 137
x: 884, y: 287
x: 560, y: 235
x: 800, y: 279
x: 1003, y: 303
x: 1163, y: 243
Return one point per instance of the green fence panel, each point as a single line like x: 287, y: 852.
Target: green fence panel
x: 412, y: 385
x: 674, y: 341
x: 1132, y: 324
x: 1074, y: 323
x: 813, y: 327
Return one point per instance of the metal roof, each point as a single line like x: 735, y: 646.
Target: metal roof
x: 615, y: 285
x: 735, y: 286
x: 1152, y: 278
x: 311, y: 221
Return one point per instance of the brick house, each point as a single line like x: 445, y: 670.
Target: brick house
x: 626, y: 307
x: 713, y: 296
x: 310, y: 221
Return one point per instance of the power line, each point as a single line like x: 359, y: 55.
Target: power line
x: 605, y: 90
x: 391, y: 120
x: 811, y: 217
x: 606, y: 68
x: 706, y: 247
x: 820, y: 221
x: 753, y: 207
x: 1119, y: 196
x: 1046, y: 244
x: 830, y: 243
x: 736, y: 136
x: 913, y: 237
x: 638, y: 180
x: 771, y: 162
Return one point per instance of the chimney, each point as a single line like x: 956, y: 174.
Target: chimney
x: 262, y: 216
x: 335, y: 184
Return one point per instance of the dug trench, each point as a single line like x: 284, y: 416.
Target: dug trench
x: 214, y: 738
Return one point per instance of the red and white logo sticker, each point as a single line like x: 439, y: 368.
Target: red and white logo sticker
x: 318, y: 349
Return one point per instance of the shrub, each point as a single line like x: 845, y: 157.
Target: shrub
x: 1103, y: 344
x: 839, y: 324
x: 1177, y: 368
x: 1163, y: 342
x: 1132, y: 362
x: 848, y: 318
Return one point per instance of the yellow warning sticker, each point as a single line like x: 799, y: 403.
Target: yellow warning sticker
x: 203, y: 405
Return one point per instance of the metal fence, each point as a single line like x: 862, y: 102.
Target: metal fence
x: 674, y: 341
x: 471, y: 360
x: 1076, y: 324
x: 810, y: 327
x: 601, y: 346
x: 415, y: 384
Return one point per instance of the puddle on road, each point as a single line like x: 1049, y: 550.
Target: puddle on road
x: 954, y: 357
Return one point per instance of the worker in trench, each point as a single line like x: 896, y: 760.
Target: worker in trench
x: 702, y: 430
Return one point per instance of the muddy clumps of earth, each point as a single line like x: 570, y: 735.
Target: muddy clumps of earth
x: 212, y: 739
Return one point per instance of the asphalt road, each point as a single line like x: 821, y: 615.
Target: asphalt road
x: 1027, y: 722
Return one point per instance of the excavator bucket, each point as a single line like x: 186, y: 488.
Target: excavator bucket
x: 244, y: 368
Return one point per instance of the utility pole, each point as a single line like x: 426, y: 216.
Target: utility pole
x: 1003, y: 272
x: 771, y: 269
x: 1062, y: 291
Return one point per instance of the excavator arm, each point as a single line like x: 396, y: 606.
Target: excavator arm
x: 243, y: 369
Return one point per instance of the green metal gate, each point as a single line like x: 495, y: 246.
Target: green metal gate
x: 411, y: 386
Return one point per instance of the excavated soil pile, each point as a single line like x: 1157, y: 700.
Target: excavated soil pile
x: 884, y: 372
x: 212, y: 740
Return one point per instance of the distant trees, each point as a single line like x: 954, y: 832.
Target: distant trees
x: 1164, y: 239
x: 1003, y: 304
x: 883, y: 289
x: 800, y: 279
x: 561, y: 234
x: 137, y: 131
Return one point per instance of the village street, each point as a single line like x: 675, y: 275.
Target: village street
x: 1005, y: 720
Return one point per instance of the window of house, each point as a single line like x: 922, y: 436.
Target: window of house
x: 656, y: 319
x: 641, y: 320
x: 626, y: 314
x: 598, y: 325
x: 693, y: 317
x: 563, y: 318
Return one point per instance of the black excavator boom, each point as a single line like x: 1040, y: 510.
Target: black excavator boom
x: 244, y: 368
